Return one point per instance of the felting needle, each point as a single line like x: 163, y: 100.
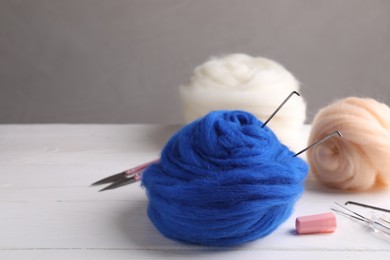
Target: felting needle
x: 378, y: 224
x: 367, y: 206
x: 134, y: 174
x: 320, y: 141
x: 279, y: 107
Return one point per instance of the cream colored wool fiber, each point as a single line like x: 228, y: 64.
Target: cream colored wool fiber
x: 253, y: 84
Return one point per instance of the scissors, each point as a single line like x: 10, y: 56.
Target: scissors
x: 125, y: 177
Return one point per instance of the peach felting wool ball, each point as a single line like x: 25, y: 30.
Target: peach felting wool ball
x: 253, y: 84
x: 361, y: 158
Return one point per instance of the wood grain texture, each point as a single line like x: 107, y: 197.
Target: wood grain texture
x: 48, y: 209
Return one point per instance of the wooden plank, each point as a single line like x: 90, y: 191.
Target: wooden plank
x: 79, y: 144
x: 48, y: 175
x: 124, y: 225
x: 96, y: 254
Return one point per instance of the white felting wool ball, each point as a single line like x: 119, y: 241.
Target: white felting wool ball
x: 254, y: 84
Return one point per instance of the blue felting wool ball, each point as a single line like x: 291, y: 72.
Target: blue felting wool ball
x: 223, y: 180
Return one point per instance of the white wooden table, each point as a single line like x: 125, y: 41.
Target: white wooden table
x: 49, y: 211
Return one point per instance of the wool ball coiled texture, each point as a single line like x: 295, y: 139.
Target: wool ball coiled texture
x: 254, y: 84
x: 223, y: 181
x: 360, y: 159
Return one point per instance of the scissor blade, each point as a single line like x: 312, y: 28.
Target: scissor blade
x: 112, y: 178
x: 119, y: 183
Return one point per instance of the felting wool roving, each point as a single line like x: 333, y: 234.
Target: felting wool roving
x: 254, y: 84
x: 361, y: 158
x: 223, y: 180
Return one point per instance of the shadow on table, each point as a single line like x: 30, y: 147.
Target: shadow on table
x: 315, y: 186
x: 143, y: 236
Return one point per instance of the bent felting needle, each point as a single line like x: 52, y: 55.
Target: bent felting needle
x: 134, y: 174
x: 379, y: 224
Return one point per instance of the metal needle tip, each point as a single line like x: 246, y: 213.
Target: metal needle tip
x: 320, y: 141
x: 279, y: 107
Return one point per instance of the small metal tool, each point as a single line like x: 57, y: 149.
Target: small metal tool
x: 279, y: 107
x: 134, y: 174
x: 125, y: 177
x: 379, y: 224
x: 320, y: 141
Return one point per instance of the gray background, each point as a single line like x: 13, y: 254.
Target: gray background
x: 101, y: 61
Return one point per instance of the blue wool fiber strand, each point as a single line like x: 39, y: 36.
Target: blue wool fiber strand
x: 223, y: 180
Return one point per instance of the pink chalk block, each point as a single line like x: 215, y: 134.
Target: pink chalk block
x: 320, y: 223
